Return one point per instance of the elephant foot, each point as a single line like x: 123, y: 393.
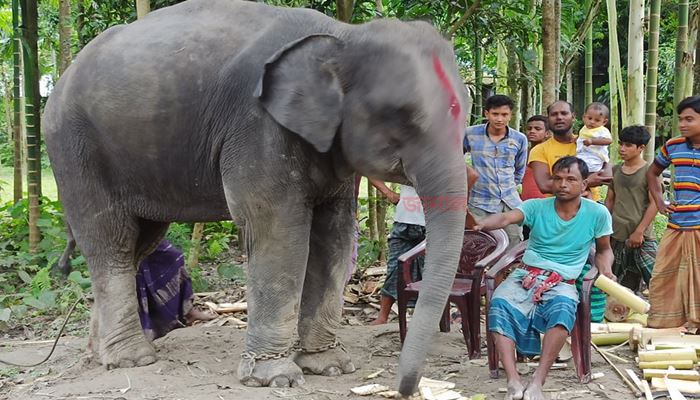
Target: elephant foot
x: 332, y: 362
x: 281, y: 372
x: 137, y: 352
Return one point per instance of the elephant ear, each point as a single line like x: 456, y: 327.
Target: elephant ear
x: 301, y: 90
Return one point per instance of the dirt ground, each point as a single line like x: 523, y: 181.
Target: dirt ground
x: 200, y: 363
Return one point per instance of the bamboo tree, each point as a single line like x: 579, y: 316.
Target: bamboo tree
x: 478, y: 79
x: 588, y: 63
x: 32, y: 106
x: 372, y: 210
x: 64, y: 35
x: 652, y: 76
x: 382, y: 205
x: 689, y: 59
x: 16, y: 95
x: 197, y: 233
x: 501, y: 78
x: 681, y: 49
x: 550, y: 53
x: 143, y: 7
x: 344, y: 10
x: 618, y: 106
x: 514, y: 82
x: 635, y: 63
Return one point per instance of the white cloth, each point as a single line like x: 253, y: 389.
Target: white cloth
x: 594, y: 156
x: 409, y: 210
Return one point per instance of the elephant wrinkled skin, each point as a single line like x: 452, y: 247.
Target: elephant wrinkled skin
x: 214, y: 108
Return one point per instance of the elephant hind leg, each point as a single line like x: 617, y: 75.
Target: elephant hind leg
x: 108, y: 242
x: 332, y: 240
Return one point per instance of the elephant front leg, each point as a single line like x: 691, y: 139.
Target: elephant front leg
x: 332, y: 242
x: 116, y: 336
x: 278, y: 252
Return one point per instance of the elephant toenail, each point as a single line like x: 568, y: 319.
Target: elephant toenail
x: 279, y: 382
x: 332, y: 371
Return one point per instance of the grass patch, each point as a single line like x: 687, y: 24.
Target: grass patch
x: 48, y: 184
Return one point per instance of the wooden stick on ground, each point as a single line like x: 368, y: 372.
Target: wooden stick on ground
x: 625, y: 379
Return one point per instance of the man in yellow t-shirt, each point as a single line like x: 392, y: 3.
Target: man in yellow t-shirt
x: 560, y: 116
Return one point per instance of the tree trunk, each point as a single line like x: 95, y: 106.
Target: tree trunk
x: 32, y: 107
x: 681, y: 49
x: 501, y: 78
x: 514, y: 82
x: 372, y: 210
x: 652, y: 77
x: 478, y: 80
x: 635, y: 63
x: 588, y: 64
x: 696, y: 65
x: 618, y: 104
x: 379, y: 7
x: 570, y: 83
x: 550, y: 53
x: 64, y: 34
x: 689, y: 58
x: 381, y: 228
x: 143, y: 7
x: 557, y: 47
x: 344, y: 10
x: 80, y: 23
x: 16, y: 104
x: 196, y: 245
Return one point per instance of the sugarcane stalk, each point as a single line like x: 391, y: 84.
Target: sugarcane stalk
x: 685, y: 375
x: 669, y: 354
x: 677, y: 364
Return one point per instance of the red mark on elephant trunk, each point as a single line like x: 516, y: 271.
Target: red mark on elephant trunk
x: 455, y: 109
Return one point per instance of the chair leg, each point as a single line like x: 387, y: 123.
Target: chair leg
x: 474, y: 311
x: 402, y: 305
x: 446, y: 319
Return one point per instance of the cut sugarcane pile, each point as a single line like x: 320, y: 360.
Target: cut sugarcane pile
x: 612, y: 333
x: 428, y: 389
x: 668, y: 359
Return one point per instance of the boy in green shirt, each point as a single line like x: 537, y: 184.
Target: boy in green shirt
x: 633, y: 210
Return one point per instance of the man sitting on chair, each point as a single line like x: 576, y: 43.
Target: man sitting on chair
x: 540, y: 296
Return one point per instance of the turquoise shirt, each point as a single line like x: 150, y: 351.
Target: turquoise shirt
x: 558, y: 245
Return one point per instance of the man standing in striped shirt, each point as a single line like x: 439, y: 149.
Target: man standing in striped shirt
x: 674, y: 290
x: 499, y: 156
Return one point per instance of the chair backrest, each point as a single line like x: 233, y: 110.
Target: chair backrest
x: 476, y: 246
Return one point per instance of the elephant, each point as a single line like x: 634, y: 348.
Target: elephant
x: 217, y: 109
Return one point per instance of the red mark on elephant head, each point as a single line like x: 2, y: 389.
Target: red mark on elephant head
x: 455, y: 109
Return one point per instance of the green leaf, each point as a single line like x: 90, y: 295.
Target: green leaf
x: 5, y: 314
x: 230, y: 271
x: 24, y: 276
x: 34, y: 302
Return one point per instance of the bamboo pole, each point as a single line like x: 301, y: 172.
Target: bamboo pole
x: 635, y: 63
x: 681, y: 49
x: 652, y: 76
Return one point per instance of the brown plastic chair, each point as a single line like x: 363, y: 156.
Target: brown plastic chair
x: 479, y: 251
x: 580, y: 334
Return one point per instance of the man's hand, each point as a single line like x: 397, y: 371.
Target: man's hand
x: 393, y: 197
x: 607, y: 271
x: 597, y: 180
x: 635, y: 240
x: 664, y: 208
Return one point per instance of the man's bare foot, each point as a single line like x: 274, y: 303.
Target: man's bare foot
x: 533, y: 392
x: 515, y: 390
x: 379, y: 321
x: 197, y: 315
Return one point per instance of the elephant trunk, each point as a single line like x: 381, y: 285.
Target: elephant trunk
x: 442, y: 185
